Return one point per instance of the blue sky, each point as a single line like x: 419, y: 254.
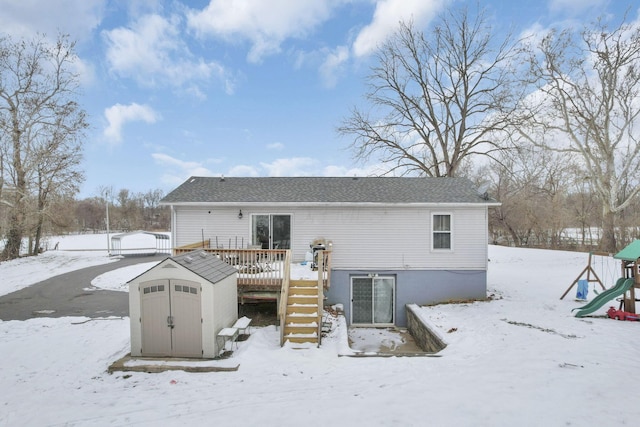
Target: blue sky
x: 238, y: 87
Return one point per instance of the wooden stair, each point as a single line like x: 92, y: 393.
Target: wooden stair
x: 303, y: 313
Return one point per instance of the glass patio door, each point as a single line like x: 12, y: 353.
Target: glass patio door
x: 271, y: 231
x: 372, y: 300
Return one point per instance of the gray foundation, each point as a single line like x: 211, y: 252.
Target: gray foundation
x: 420, y: 287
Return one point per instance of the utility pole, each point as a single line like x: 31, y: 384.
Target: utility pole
x: 108, y: 237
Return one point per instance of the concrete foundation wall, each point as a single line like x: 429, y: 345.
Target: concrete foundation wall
x: 422, y: 332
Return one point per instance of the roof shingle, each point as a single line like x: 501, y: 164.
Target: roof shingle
x: 325, y: 190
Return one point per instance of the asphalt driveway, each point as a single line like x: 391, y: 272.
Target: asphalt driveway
x: 67, y: 295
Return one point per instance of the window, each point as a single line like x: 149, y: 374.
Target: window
x: 441, y: 231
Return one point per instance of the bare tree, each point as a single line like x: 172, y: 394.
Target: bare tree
x: 588, y: 105
x: 90, y: 214
x: 532, y: 185
x: 37, y: 106
x: 153, y: 212
x: 437, y: 98
x: 56, y: 171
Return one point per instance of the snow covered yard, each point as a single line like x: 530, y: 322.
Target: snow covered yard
x: 519, y: 359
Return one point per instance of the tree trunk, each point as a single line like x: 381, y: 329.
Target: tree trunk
x: 14, y: 235
x: 608, y: 241
x: 38, y: 236
x: 516, y: 240
x: 16, y: 217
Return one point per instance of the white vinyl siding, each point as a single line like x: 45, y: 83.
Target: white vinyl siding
x: 195, y: 224
x: 362, y: 237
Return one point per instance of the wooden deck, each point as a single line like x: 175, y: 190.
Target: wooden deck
x: 260, y: 271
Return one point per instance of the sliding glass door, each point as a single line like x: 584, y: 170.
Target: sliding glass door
x: 372, y: 300
x: 271, y: 231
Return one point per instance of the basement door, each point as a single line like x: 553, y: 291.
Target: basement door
x: 372, y: 300
x: 171, y: 317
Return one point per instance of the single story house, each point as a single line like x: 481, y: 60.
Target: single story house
x: 394, y: 240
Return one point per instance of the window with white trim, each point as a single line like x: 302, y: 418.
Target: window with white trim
x: 441, y: 225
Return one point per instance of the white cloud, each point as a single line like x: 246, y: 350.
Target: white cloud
x: 176, y: 171
x: 385, y: 21
x: 189, y: 167
x: 243, y: 170
x: 295, y: 166
x: 276, y: 146
x: 333, y: 64
x: 534, y: 34
x: 386, y: 18
x: 28, y: 19
x: 119, y: 114
x: 574, y: 6
x: 265, y: 24
x: 25, y: 18
x: 152, y: 52
x: 369, y: 170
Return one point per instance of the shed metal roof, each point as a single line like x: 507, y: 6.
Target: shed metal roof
x: 158, y: 236
x: 205, y: 265
x: 339, y: 190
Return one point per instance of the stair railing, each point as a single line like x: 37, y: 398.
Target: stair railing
x: 321, y: 277
x: 284, y: 294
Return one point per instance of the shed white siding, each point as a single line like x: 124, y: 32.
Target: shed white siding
x: 219, y: 307
x: 219, y: 310
x: 363, y: 237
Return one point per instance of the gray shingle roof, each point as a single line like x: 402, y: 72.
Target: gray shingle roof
x: 205, y: 265
x: 324, y: 190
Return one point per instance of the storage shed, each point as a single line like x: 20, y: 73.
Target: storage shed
x: 178, y: 306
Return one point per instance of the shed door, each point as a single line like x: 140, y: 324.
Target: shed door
x: 187, y: 318
x: 154, y: 297
x: 171, y: 318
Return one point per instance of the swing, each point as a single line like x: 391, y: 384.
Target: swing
x: 590, y: 271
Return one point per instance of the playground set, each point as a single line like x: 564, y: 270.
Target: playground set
x: 623, y: 290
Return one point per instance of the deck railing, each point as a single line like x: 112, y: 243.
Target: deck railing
x: 260, y: 267
x: 323, y: 280
x: 326, y: 267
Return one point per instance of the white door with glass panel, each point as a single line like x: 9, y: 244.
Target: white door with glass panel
x: 372, y: 300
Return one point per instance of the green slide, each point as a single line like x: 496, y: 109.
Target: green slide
x: 621, y: 286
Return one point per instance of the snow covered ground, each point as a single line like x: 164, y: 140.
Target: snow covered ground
x: 520, y: 358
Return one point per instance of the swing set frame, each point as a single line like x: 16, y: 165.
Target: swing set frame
x: 590, y: 272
